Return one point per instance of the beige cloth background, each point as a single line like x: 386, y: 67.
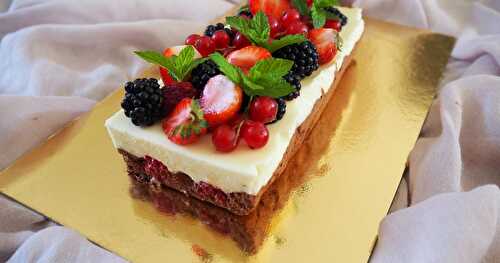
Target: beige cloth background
x: 58, y: 58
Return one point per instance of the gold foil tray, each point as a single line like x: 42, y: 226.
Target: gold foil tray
x: 355, y: 157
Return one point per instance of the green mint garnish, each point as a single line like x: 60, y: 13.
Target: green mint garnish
x: 318, y: 11
x: 264, y: 79
x: 257, y: 31
x: 301, y: 6
x: 179, y: 66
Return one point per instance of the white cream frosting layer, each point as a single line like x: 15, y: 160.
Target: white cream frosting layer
x: 243, y: 170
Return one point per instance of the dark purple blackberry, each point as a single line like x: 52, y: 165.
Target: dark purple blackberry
x: 203, y: 72
x: 304, y: 55
x: 334, y: 12
x: 210, y: 30
x: 143, y: 101
x: 281, y: 110
x: 295, y: 82
x: 245, y: 12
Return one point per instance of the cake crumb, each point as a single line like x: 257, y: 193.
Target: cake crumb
x: 202, y: 253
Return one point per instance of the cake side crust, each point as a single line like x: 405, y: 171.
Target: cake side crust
x: 239, y: 203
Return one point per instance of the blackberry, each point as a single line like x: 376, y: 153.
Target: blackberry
x: 334, y: 11
x: 281, y: 110
x: 203, y: 72
x: 143, y: 101
x: 245, y: 12
x: 294, y: 81
x: 210, y: 30
x: 304, y: 56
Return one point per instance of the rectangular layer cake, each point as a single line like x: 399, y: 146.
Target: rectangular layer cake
x: 235, y: 181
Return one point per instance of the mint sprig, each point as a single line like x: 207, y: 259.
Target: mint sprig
x: 179, y: 66
x: 264, y: 79
x: 318, y: 11
x: 257, y: 31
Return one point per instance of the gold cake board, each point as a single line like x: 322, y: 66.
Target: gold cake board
x: 356, y: 156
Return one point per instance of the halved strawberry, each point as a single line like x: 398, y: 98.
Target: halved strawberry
x: 165, y: 76
x: 221, y: 100
x: 274, y: 8
x: 185, y: 124
x: 247, y: 57
x: 324, y: 39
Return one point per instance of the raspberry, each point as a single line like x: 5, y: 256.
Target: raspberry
x: 153, y: 167
x: 174, y: 93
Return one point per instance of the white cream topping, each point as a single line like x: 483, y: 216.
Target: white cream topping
x: 243, y: 170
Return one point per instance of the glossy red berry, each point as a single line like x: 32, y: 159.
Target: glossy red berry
x: 240, y: 41
x: 333, y: 24
x: 263, y: 109
x: 289, y: 17
x: 191, y: 39
x: 255, y: 134
x: 205, y: 45
x: 297, y: 27
x: 221, y: 39
x: 309, y: 3
x: 275, y: 26
x: 225, y: 138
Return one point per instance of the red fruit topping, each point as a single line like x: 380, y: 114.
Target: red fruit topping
x: 185, y: 124
x: 221, y: 100
x: 289, y: 17
x: 333, y: 24
x: 297, y: 27
x: 309, y: 3
x: 173, y: 93
x: 225, y: 138
x: 274, y: 8
x: 205, y: 45
x: 255, y: 134
x: 275, y: 26
x: 263, y: 109
x: 191, y: 39
x: 324, y: 41
x: 247, y: 57
x: 240, y: 41
x: 221, y: 39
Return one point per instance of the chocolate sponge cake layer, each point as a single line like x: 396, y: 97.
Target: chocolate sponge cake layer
x: 238, y: 203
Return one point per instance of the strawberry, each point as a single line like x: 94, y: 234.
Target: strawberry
x: 324, y: 39
x: 247, y: 57
x: 274, y: 8
x: 185, y: 124
x: 221, y: 100
x: 165, y: 76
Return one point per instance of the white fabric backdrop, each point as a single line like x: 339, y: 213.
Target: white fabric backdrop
x: 57, y: 58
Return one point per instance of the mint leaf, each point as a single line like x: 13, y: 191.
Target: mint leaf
x: 273, y: 87
x: 318, y: 16
x: 256, y: 30
x: 301, y: 6
x: 285, y: 41
x: 178, y: 66
x: 231, y: 71
x: 273, y: 68
x: 260, y: 26
x: 264, y: 78
x: 325, y: 3
x: 158, y: 59
x: 183, y: 61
